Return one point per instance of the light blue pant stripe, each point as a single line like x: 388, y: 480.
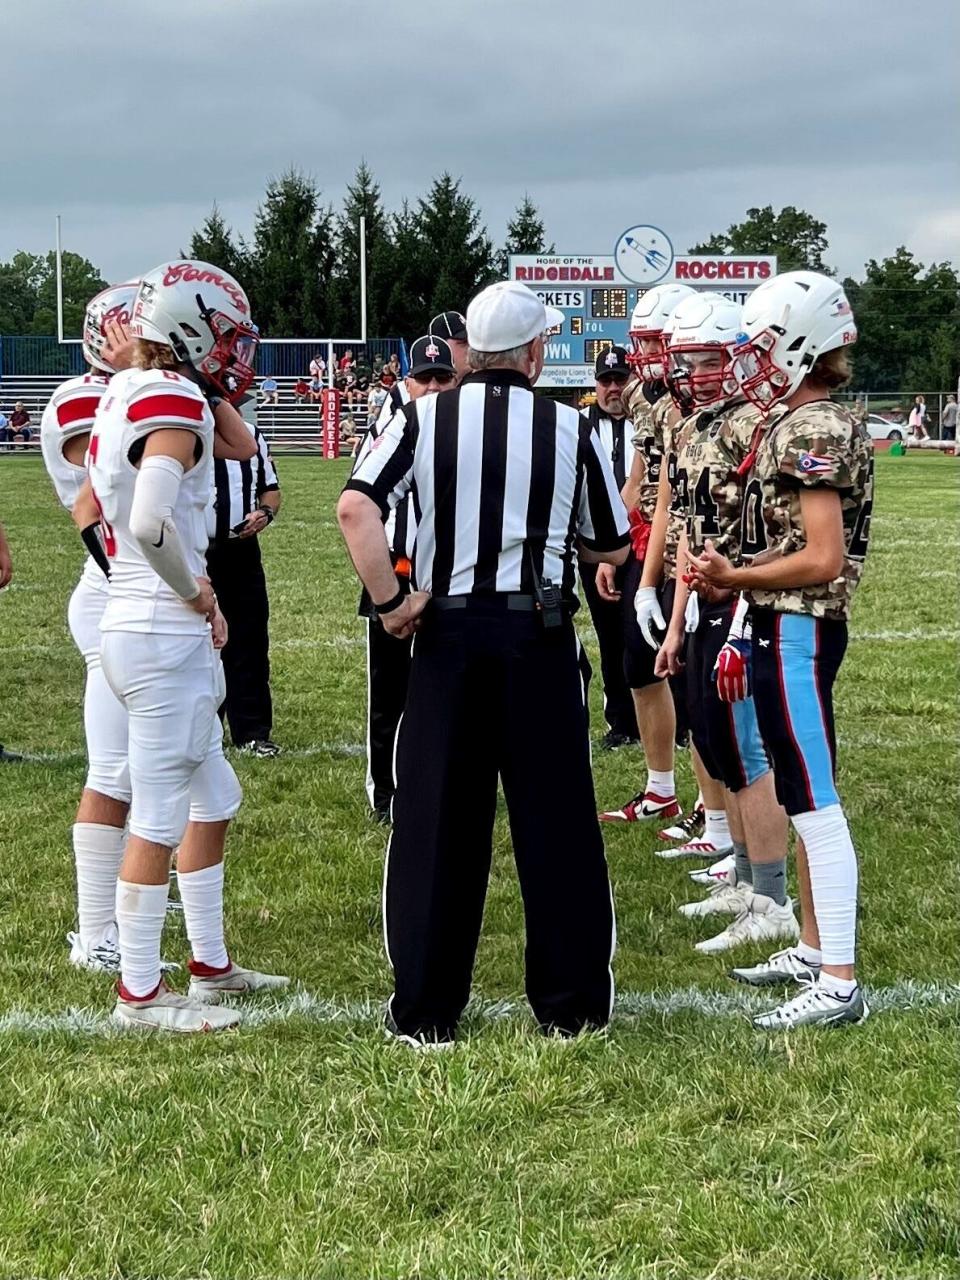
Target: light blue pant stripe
x: 749, y: 742
x: 798, y: 646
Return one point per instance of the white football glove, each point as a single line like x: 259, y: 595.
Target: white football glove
x: 647, y: 607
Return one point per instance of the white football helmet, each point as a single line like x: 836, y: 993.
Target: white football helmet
x: 649, y: 316
x: 114, y: 303
x: 702, y: 329
x: 204, y: 316
x: 787, y: 323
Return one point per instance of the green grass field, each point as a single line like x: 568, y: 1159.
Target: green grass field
x: 682, y: 1144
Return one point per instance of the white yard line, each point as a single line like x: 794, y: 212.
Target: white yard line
x: 902, y: 997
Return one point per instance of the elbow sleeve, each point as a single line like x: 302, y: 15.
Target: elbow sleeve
x: 151, y: 523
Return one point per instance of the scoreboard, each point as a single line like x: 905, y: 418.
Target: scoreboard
x: 597, y: 295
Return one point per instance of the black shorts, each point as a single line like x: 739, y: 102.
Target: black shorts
x: 796, y: 658
x: 638, y: 657
x: 678, y: 683
x: 726, y: 734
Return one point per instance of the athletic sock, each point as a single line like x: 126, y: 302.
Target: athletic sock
x: 716, y: 828
x: 97, y: 853
x: 660, y: 782
x: 744, y: 875
x: 201, y: 893
x: 809, y: 955
x: 770, y: 879
x: 833, y: 880
x: 842, y: 988
x: 141, y: 909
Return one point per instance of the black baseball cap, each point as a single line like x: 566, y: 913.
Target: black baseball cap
x: 430, y: 353
x: 449, y: 324
x: 612, y: 360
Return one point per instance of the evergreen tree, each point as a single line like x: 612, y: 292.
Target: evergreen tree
x: 406, y: 314
x: 291, y: 262
x: 362, y: 199
x: 525, y: 234
x: 213, y: 242
x: 456, y: 255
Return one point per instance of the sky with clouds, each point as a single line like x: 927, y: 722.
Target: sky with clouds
x: 130, y: 119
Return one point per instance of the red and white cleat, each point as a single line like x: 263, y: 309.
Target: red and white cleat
x: 166, y: 1011
x: 688, y: 828
x: 209, y: 985
x: 704, y: 849
x: 722, y: 872
x: 644, y: 806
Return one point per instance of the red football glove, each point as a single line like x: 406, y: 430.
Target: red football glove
x: 731, y: 671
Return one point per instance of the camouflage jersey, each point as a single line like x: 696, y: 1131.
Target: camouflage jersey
x: 817, y: 445
x: 642, y: 399
x: 709, y: 490
x: 669, y: 427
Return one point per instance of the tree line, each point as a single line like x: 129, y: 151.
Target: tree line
x: 301, y: 269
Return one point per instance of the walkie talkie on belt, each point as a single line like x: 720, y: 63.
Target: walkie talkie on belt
x: 549, y: 599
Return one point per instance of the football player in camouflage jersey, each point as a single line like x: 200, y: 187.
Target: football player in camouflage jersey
x: 718, y: 441
x: 652, y: 699
x: 806, y: 521
x: 710, y: 836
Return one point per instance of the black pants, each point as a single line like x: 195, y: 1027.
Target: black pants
x: 236, y: 572
x: 618, y: 709
x: 491, y: 693
x: 388, y: 671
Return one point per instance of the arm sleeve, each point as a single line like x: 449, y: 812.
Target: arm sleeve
x: 385, y: 471
x: 151, y: 523
x: 602, y: 523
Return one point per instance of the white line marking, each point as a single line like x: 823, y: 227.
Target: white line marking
x: 347, y: 749
x: 901, y: 997
x: 917, y: 633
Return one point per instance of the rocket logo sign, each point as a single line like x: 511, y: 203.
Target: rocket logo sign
x: 643, y: 254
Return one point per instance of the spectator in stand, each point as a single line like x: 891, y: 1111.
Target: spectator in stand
x: 948, y: 423
x: 301, y: 390
x: 20, y: 425
x: 375, y: 398
x: 393, y: 364
x: 5, y: 432
x: 315, y: 391
x: 349, y: 435
x: 379, y: 360
x: 318, y: 368
x: 917, y: 420
x: 269, y: 391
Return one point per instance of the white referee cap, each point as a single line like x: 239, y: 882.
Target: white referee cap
x: 507, y: 315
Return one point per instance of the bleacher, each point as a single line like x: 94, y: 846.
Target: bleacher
x: 289, y: 426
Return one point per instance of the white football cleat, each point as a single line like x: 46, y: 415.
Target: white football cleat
x: 722, y: 900
x: 815, y: 1007
x: 782, y: 967
x: 704, y: 849
x: 234, y: 981
x: 760, y: 921
x: 103, y: 957
x: 167, y: 1011
x: 722, y: 872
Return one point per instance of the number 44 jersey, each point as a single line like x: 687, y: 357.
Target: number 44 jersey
x: 713, y: 446
x: 818, y: 445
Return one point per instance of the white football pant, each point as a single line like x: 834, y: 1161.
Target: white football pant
x: 171, y: 687
x: 104, y: 718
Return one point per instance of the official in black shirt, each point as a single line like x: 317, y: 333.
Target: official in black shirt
x: 609, y: 419
x: 388, y: 656
x: 245, y: 501
x: 507, y: 489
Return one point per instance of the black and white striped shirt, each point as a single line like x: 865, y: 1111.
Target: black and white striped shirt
x: 238, y: 488
x: 616, y: 440
x: 399, y: 525
x: 491, y: 469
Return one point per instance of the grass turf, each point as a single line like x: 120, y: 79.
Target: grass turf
x: 682, y: 1144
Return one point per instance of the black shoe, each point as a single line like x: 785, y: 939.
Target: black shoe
x: 381, y: 814
x: 261, y: 747
x: 9, y: 757
x: 613, y: 741
x: 423, y: 1040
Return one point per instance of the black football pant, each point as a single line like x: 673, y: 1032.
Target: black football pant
x: 491, y: 693
x: 618, y: 709
x: 236, y: 574
x: 388, y: 670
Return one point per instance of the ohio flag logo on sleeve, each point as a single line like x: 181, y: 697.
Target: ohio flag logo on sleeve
x: 812, y: 464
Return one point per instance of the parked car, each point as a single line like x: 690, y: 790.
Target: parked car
x: 882, y: 429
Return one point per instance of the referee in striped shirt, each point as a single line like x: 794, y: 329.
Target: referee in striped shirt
x: 245, y: 501
x: 507, y: 489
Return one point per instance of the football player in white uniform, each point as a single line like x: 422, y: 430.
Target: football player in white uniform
x: 98, y: 831
x: 150, y: 459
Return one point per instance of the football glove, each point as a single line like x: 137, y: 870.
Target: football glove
x: 93, y: 541
x: 648, y: 612
x: 731, y: 671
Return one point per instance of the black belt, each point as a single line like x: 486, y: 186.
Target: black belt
x: 514, y: 602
